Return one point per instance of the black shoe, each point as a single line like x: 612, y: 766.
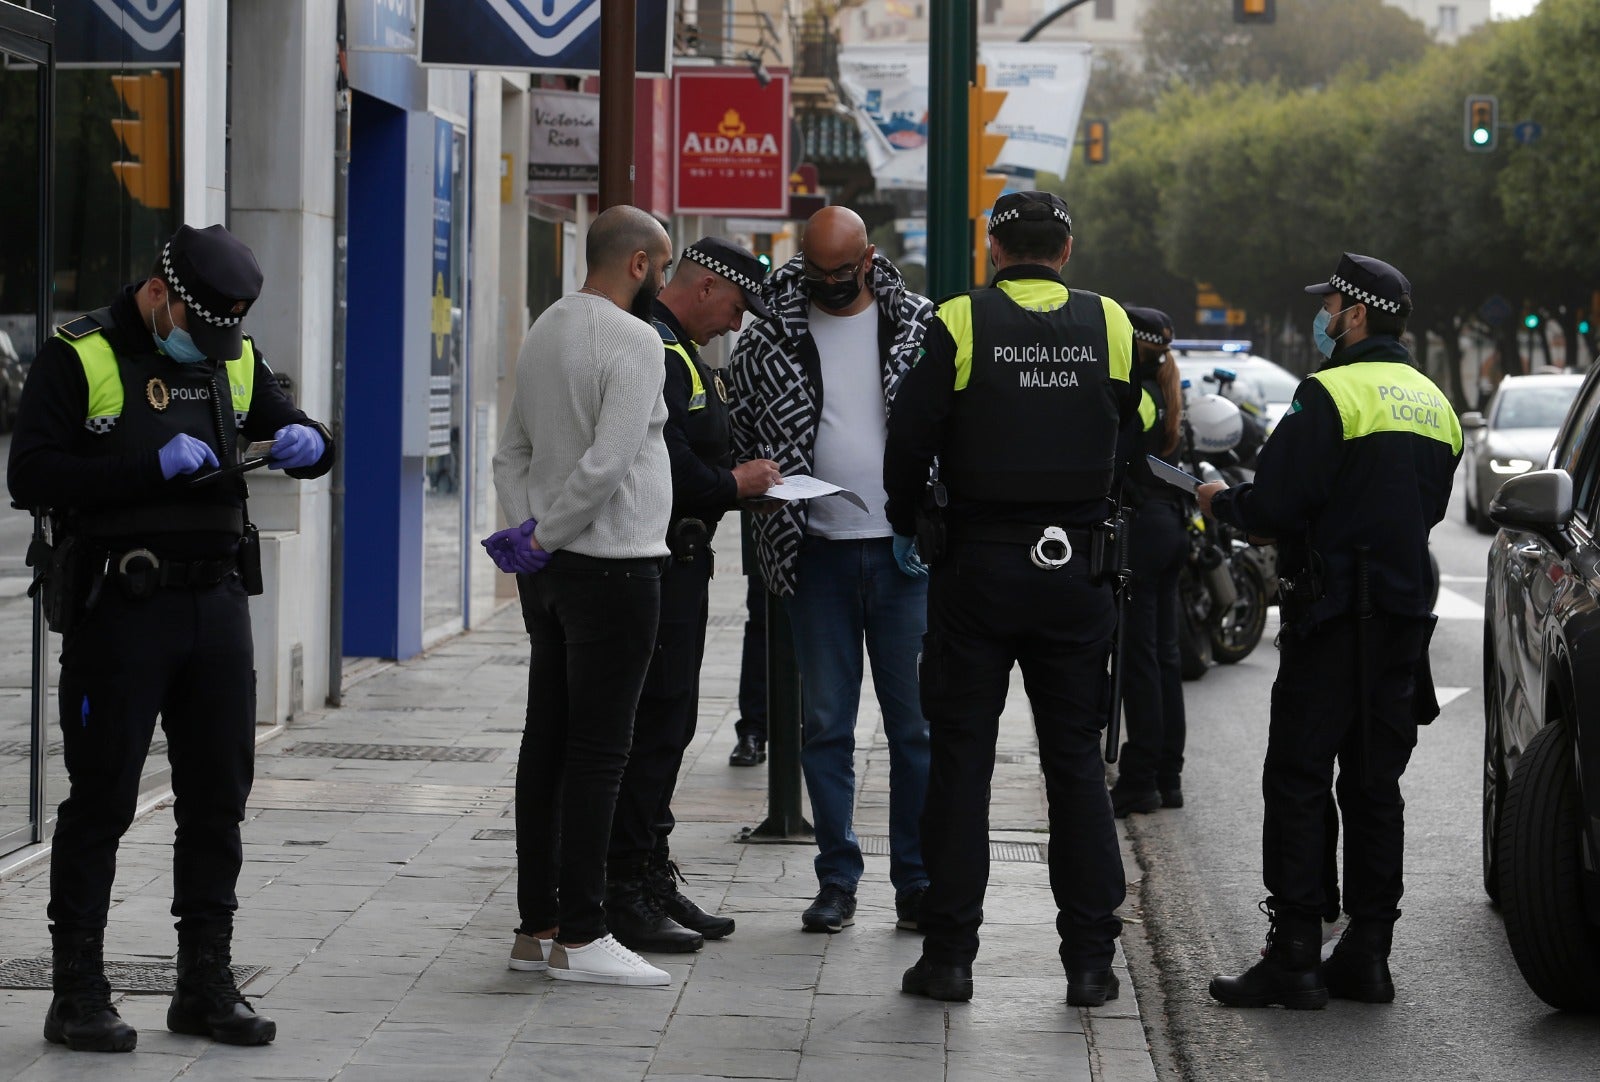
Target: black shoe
x: 1289, y: 974
x: 908, y: 909
x: 1358, y: 969
x: 636, y: 917
x: 664, y: 878
x: 948, y: 981
x: 207, y: 1003
x: 833, y: 909
x: 1124, y: 801
x: 751, y: 750
x: 81, y: 1015
x: 1091, y: 987
x: 1172, y: 798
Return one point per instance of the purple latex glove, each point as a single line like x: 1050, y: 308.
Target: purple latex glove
x: 295, y: 447
x: 184, y: 454
x: 512, y: 550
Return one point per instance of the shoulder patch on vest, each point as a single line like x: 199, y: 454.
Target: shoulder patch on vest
x: 82, y: 327
x: 667, y: 337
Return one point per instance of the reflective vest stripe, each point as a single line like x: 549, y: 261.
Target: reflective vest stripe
x: 1390, y: 396
x: 1147, y: 410
x: 697, y: 389
x: 99, y: 362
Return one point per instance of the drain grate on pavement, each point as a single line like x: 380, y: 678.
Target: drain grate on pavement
x: 495, y: 834
x: 298, y: 794
x: 135, y: 978
x: 877, y: 845
x: 395, y: 752
x: 24, y: 748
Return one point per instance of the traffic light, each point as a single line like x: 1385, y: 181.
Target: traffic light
x: 1096, y: 142
x: 1255, y: 11
x: 148, y: 174
x: 1482, y: 122
x: 1532, y: 321
x: 1583, y: 325
x: 762, y: 243
x: 983, y: 146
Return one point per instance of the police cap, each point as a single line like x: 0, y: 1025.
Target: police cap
x: 218, y: 279
x: 736, y: 265
x: 1150, y: 325
x: 1031, y: 206
x: 1361, y: 279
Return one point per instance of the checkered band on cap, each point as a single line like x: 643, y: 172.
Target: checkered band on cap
x: 1016, y: 212
x: 188, y: 298
x: 717, y: 266
x: 1150, y: 336
x: 1356, y: 293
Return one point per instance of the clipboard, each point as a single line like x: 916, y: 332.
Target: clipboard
x: 230, y: 471
x: 1172, y: 475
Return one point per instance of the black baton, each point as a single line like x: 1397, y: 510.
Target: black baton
x: 1363, y: 618
x: 1124, y: 576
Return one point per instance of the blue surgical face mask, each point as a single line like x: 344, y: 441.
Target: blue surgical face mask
x: 1319, y: 332
x: 177, y: 345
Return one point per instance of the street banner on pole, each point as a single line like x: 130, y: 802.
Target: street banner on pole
x: 563, y: 142
x: 888, y: 89
x: 558, y: 37
x: 118, y: 33
x: 732, y: 154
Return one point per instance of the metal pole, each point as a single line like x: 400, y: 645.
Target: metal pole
x: 341, y: 312
x: 617, y: 32
x: 785, y: 821
x: 40, y: 693
x: 952, y: 40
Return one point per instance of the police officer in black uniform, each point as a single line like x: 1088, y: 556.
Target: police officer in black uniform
x: 1351, y: 481
x: 715, y: 284
x: 124, y: 410
x: 1150, y: 767
x: 1020, y: 397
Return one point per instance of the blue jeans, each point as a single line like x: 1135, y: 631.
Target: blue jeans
x: 849, y: 592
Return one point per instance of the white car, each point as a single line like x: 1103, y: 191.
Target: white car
x: 1271, y: 384
x: 1512, y: 436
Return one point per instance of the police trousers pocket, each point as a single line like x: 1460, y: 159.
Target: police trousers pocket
x: 249, y: 559
x: 1424, y: 699
x: 69, y: 584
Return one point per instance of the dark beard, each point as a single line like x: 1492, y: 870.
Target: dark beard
x: 643, y: 300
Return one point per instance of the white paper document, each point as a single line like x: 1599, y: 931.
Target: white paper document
x: 799, y: 486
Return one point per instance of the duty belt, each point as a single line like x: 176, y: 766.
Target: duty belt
x: 177, y: 574
x: 1049, y: 546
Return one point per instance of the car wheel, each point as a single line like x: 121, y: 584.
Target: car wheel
x: 1494, y: 780
x: 1540, y: 866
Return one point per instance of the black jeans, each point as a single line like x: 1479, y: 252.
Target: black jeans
x: 1313, y: 724
x: 591, y: 624
x: 1152, y: 685
x: 989, y: 607
x: 186, y: 655
x: 753, y: 661
x: 664, y: 724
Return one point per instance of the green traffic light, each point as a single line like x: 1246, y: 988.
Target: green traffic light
x: 766, y: 260
x: 1583, y: 327
x: 1531, y: 320
x: 1480, y: 136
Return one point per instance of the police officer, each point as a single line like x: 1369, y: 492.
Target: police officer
x: 1353, y: 478
x: 1020, y: 397
x: 715, y: 284
x: 1151, y: 763
x: 124, y: 414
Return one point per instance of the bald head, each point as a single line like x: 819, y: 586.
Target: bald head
x: 834, y: 236
x: 618, y: 234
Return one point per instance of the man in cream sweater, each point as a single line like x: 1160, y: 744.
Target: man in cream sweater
x: 582, y: 468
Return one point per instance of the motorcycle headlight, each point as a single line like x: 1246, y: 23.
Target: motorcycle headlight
x: 1510, y: 465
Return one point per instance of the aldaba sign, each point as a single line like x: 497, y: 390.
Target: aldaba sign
x: 560, y: 37
x: 732, y: 152
x: 563, y: 142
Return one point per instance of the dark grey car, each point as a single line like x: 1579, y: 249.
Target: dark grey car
x: 1512, y: 436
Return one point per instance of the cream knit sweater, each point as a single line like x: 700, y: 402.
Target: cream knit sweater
x: 582, y: 450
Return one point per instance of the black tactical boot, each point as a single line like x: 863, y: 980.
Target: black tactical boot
x: 636, y: 917
x: 663, y: 880
x: 1288, y: 974
x: 1358, y: 969
x: 81, y: 1015
x: 207, y: 1002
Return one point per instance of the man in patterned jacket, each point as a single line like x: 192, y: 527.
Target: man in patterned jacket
x: 844, y: 322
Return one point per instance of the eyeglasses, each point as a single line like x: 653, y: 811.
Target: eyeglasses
x: 813, y: 273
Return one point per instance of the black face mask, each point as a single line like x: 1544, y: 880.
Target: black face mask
x: 643, y: 299
x: 834, y: 295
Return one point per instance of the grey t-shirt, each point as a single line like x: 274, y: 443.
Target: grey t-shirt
x: 853, y: 427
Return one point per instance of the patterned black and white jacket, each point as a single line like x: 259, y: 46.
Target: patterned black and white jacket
x: 777, y: 392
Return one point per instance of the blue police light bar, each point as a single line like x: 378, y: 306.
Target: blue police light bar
x: 1218, y: 345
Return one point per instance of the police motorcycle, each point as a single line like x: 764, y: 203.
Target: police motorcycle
x: 1222, y: 588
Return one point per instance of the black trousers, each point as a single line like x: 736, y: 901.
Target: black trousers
x: 664, y: 724
x: 591, y: 626
x: 1314, y: 724
x: 187, y: 656
x: 988, y: 608
x: 1152, y: 685
x: 753, y: 661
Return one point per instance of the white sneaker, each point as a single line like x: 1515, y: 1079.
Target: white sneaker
x: 605, y: 961
x: 530, y: 955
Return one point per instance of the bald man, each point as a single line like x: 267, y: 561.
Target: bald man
x: 583, y: 470
x: 843, y: 321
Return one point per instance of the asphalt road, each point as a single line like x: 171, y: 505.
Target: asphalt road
x: 1462, y: 1010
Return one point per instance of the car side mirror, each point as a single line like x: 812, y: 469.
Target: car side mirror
x: 1473, y: 420
x: 1539, y: 502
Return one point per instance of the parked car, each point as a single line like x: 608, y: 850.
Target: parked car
x: 1272, y: 383
x: 1512, y: 436
x: 12, y: 372
x: 1541, y: 700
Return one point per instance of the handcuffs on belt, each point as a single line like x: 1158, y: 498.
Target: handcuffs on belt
x: 1053, y: 540
x: 139, y: 574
